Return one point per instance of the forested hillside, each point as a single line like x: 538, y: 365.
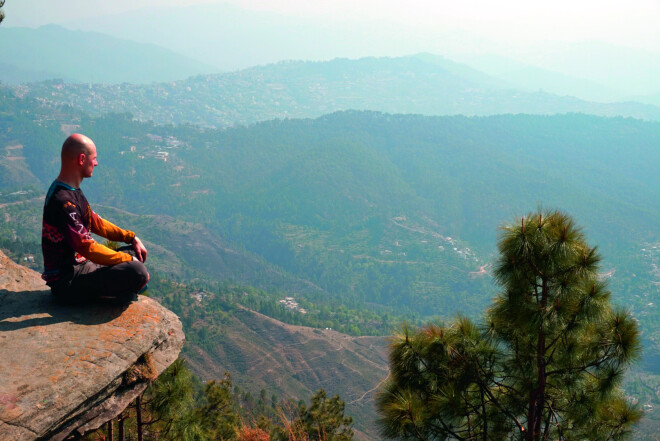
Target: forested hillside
x: 354, y: 211
x: 371, y: 207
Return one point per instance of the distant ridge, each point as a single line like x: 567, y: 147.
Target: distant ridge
x: 233, y: 36
x: 419, y: 84
x: 52, y: 51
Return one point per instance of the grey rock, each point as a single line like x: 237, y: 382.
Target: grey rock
x: 66, y: 369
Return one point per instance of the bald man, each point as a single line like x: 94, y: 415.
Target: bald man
x: 76, y: 267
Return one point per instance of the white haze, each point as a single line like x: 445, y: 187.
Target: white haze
x: 613, y: 44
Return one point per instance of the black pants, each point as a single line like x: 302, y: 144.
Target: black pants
x: 90, y: 282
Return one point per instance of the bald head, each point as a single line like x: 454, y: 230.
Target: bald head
x: 78, y: 159
x: 76, y: 144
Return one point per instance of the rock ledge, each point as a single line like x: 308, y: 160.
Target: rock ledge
x: 64, y: 368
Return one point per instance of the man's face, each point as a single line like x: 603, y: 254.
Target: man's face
x: 89, y: 162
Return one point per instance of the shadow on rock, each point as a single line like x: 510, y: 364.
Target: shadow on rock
x: 25, y: 309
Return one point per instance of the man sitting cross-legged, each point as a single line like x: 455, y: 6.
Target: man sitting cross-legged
x: 76, y: 267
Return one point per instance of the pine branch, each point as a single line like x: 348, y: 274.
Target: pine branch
x: 150, y: 422
x: 417, y: 433
x: 583, y: 367
x: 447, y: 430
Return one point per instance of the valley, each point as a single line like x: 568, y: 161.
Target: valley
x: 367, y: 219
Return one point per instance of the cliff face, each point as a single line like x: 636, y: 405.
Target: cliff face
x: 66, y: 369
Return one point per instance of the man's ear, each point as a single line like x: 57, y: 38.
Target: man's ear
x: 81, y: 159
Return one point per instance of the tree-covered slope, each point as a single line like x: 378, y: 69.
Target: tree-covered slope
x: 371, y: 208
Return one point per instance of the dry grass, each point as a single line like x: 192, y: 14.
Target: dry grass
x: 143, y: 370
x: 252, y: 434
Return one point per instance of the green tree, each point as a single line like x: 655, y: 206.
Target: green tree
x: 546, y: 363
x: 323, y: 420
x: 170, y: 405
x: 217, y: 415
x: 2, y: 13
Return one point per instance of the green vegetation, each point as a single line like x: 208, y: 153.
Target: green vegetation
x: 547, y: 362
x: 205, y: 317
x: 323, y: 420
x: 177, y: 407
x: 372, y: 209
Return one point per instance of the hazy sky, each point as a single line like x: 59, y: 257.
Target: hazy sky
x: 632, y: 23
x: 598, y: 41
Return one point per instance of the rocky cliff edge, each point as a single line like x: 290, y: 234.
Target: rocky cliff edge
x: 70, y: 369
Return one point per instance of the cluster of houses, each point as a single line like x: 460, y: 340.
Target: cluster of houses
x: 465, y: 252
x: 291, y: 304
x: 157, y: 148
x: 652, y: 255
x: 199, y: 295
x: 17, y: 193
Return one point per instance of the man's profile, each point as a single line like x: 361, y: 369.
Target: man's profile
x: 76, y: 267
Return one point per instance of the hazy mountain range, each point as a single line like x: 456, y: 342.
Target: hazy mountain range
x: 421, y: 84
x: 231, y: 37
x: 87, y: 57
x: 52, y: 51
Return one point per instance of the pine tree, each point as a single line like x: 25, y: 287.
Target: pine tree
x: 170, y: 407
x: 217, y: 415
x: 324, y: 419
x: 546, y: 363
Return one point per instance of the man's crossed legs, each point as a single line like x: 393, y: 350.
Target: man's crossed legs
x: 115, y: 284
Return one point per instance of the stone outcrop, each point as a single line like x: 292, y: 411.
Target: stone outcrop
x: 14, y: 277
x: 70, y: 369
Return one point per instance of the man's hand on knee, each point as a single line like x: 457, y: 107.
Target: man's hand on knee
x: 140, y: 250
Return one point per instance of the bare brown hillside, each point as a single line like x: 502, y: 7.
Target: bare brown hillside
x: 295, y: 361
